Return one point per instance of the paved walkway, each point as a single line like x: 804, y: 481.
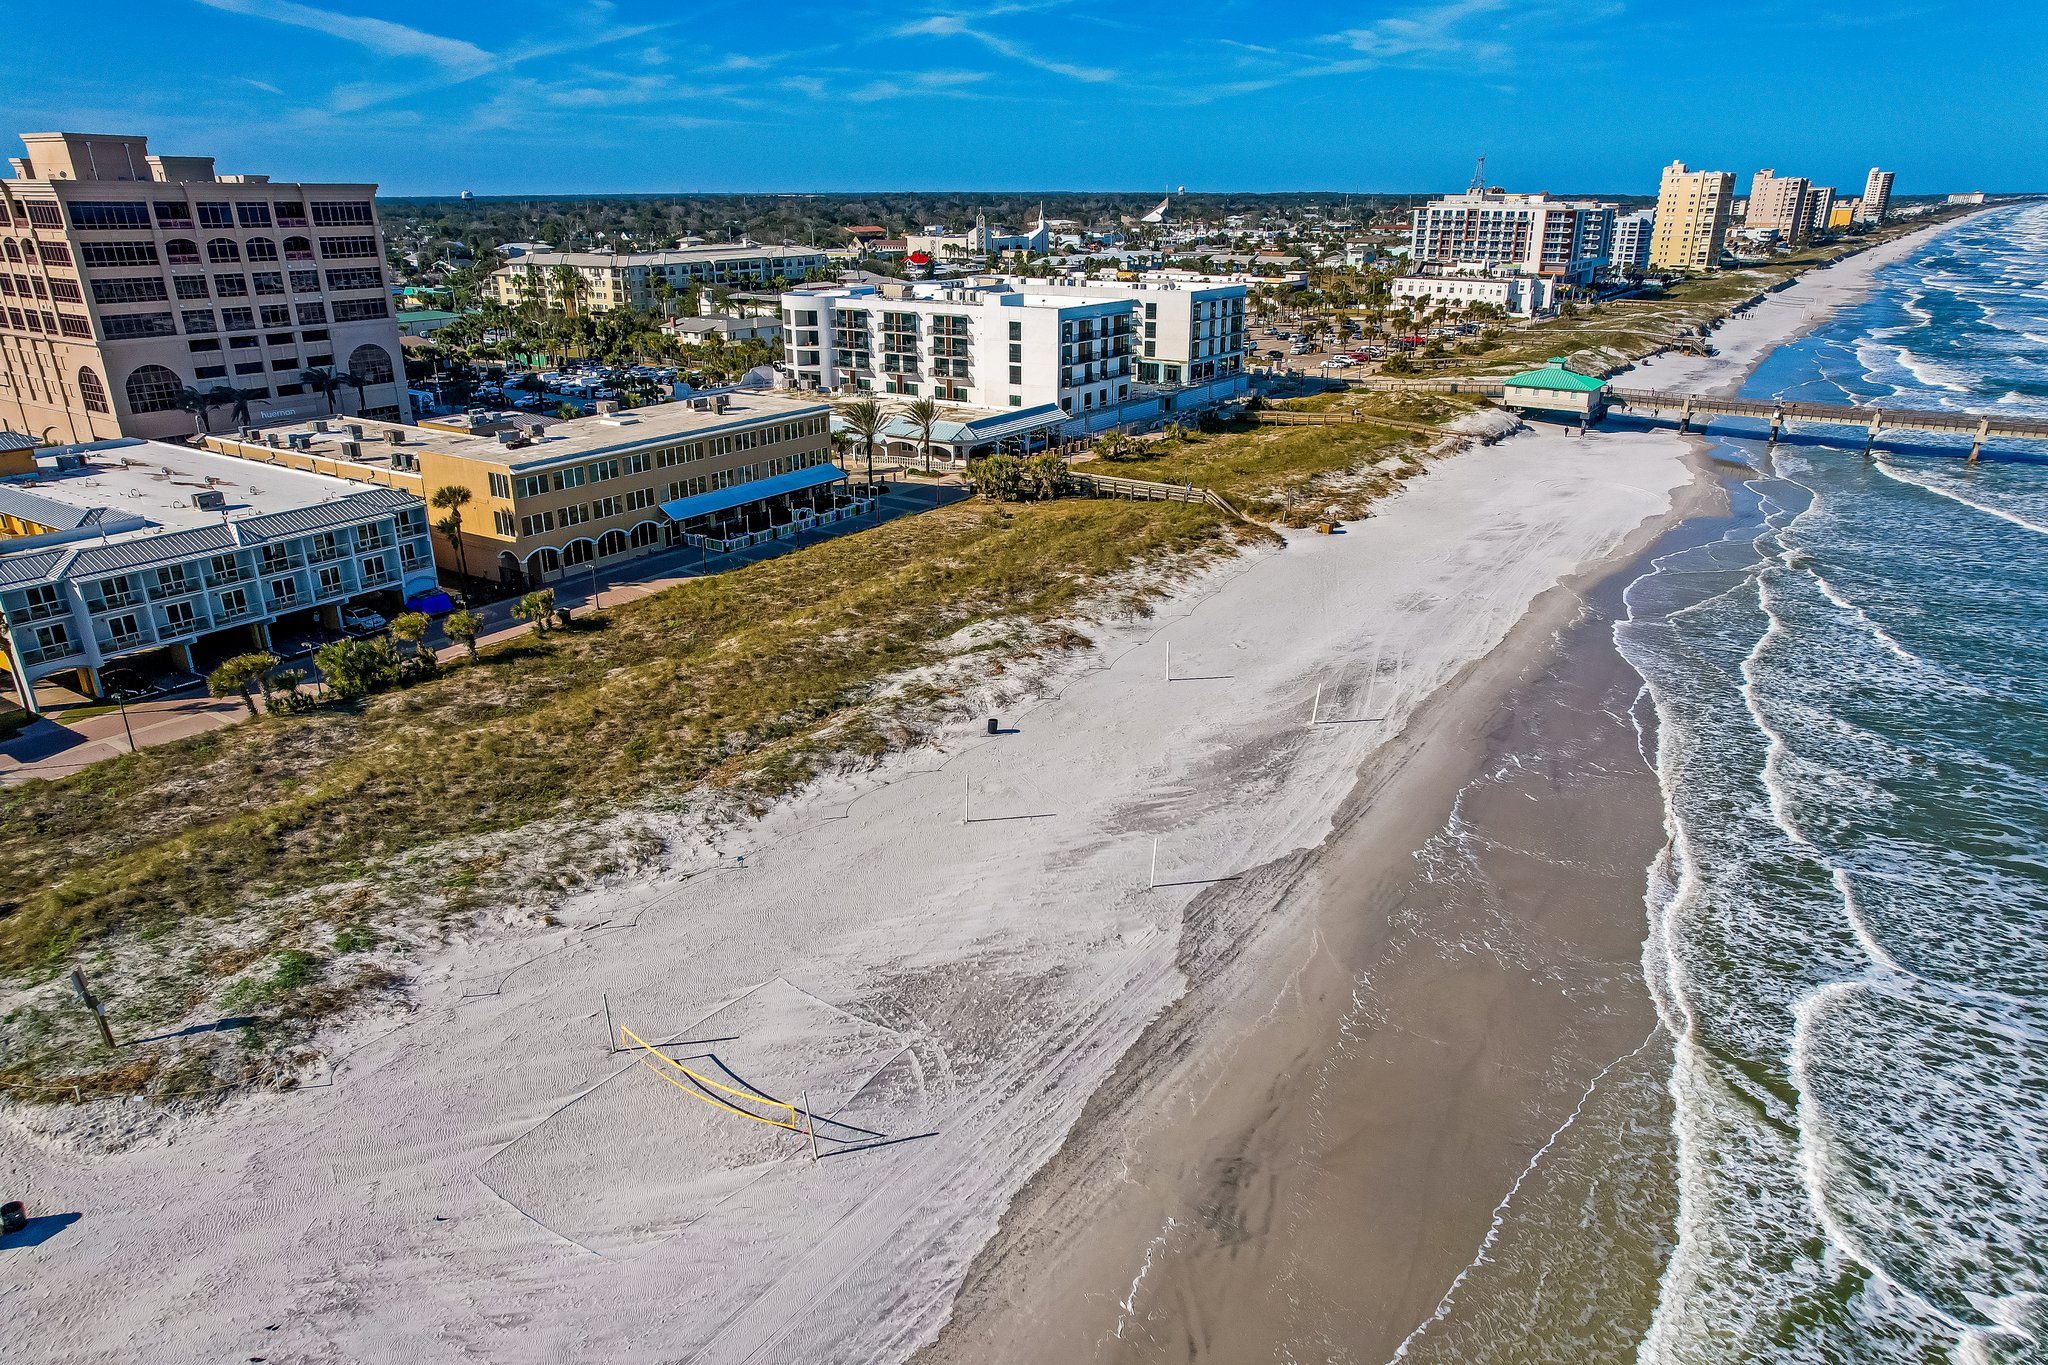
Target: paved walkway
x: 52, y: 749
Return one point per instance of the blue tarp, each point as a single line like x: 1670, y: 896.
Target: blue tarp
x: 432, y: 603
x: 722, y: 499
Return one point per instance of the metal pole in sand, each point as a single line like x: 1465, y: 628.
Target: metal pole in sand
x: 809, y: 1131
x: 1315, y: 708
x: 611, y: 1036
x: 966, y: 799
x: 1152, y: 878
x: 1169, y: 661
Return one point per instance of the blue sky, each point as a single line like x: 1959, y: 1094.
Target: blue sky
x: 588, y: 96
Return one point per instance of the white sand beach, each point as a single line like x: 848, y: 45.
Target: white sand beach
x: 946, y: 959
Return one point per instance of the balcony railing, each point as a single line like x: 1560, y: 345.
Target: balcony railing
x: 40, y: 611
x: 114, y: 642
x: 161, y: 591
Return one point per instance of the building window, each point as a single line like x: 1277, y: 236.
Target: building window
x: 260, y: 249
x: 149, y: 290
x: 152, y: 388
x: 371, y: 364
x: 91, y: 216
x: 192, y: 287
x: 173, y: 213
x: 359, y: 278
x: 238, y: 319
x: 348, y: 248
x: 231, y: 286
x: 360, y: 310
x: 349, y: 214
x: 91, y: 391
x: 501, y: 520
x: 216, y: 215
x: 253, y: 215
x: 222, y: 251
x: 267, y: 282
x: 277, y: 315
x: 198, y: 321
x: 126, y: 326
x: 115, y: 254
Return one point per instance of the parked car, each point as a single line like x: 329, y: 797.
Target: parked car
x: 1276, y: 355
x: 362, y: 621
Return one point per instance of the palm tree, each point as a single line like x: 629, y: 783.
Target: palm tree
x: 322, y: 381
x: 569, y: 287
x: 463, y: 627
x: 923, y: 415
x: 348, y: 379
x: 452, y: 498
x: 241, y: 398
x: 865, y: 420
x: 201, y: 406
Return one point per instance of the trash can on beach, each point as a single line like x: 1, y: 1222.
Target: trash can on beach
x: 995, y: 727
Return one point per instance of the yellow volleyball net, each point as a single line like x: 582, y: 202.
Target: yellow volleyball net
x: 699, y: 1086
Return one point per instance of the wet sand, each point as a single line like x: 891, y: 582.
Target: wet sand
x: 1301, y: 1158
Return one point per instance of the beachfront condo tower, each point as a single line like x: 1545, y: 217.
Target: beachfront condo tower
x: 131, y: 282
x: 1778, y: 203
x: 1877, y: 197
x: 1692, y: 218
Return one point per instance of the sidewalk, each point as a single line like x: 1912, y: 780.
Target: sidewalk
x: 51, y: 748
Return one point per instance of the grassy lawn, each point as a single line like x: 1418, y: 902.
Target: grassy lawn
x: 252, y: 868
x: 1293, y: 475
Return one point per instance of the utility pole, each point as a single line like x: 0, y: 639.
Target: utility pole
x: 99, y: 1011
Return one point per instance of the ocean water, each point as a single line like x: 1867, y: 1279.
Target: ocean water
x: 1849, y: 930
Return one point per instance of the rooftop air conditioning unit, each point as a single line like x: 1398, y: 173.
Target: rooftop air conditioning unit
x: 300, y: 440
x: 396, y: 436
x: 273, y: 439
x: 210, y: 500
x: 351, y: 450
x: 320, y: 425
x: 506, y: 438
x: 537, y: 430
x: 355, y: 431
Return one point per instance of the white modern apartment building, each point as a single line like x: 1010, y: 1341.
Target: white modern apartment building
x: 1820, y: 209
x: 128, y: 278
x: 1518, y: 295
x: 613, y: 279
x: 1190, y: 329
x: 1877, y: 197
x: 989, y: 344
x: 1632, y: 234
x: 1501, y: 234
x: 1778, y: 203
x: 164, y: 557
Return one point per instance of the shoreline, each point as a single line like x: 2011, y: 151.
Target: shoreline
x: 1238, y: 1193
x: 1183, y: 1147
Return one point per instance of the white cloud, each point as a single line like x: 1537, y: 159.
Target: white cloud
x: 956, y: 26
x: 378, y: 35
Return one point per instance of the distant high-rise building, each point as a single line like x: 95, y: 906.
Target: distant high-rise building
x: 1527, y: 234
x: 1632, y: 234
x: 1692, y: 218
x: 1777, y: 203
x: 1820, y: 209
x: 132, y: 280
x: 1877, y: 197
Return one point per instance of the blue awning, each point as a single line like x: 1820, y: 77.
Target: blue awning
x: 740, y: 494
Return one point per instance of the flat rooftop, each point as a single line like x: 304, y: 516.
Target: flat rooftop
x: 674, y: 255
x: 145, y: 487
x: 578, y: 438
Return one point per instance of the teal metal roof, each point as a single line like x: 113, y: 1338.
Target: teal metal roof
x: 739, y: 494
x: 1557, y: 375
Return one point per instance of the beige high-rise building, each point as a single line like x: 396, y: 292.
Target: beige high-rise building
x: 1692, y: 218
x: 1777, y: 203
x: 127, y: 279
x: 1877, y: 197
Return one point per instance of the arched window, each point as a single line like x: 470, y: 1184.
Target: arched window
x: 298, y: 249
x: 13, y: 251
x: 221, y: 250
x: 153, y: 388
x: 261, y: 249
x: 646, y: 533
x: 181, y: 251
x: 371, y: 364
x: 576, y: 552
x: 611, y: 543
x: 92, y: 391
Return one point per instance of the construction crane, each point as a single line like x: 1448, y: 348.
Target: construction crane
x: 1478, y: 185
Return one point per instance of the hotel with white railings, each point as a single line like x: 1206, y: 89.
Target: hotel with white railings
x: 1513, y: 234
x: 630, y: 278
x: 162, y: 559
x: 1187, y: 332
x: 128, y: 278
x: 991, y: 344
